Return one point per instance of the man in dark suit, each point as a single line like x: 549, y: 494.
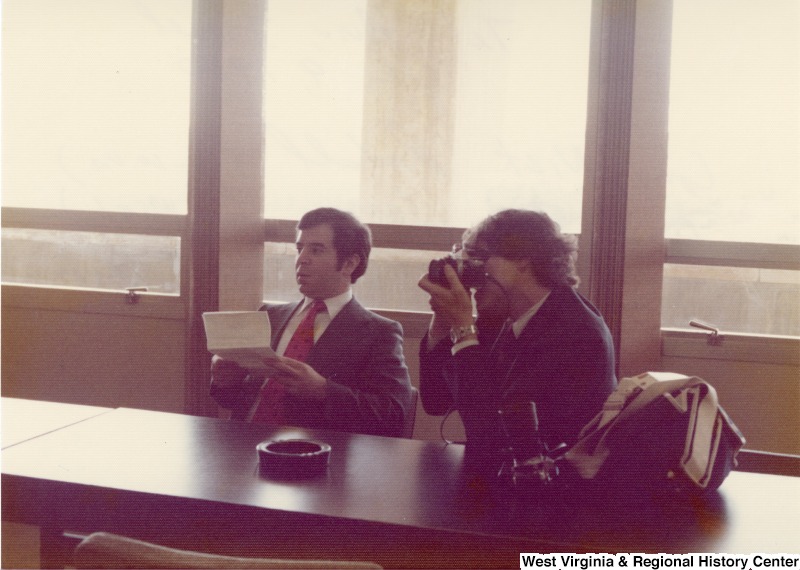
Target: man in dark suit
x: 352, y: 375
x: 554, y: 350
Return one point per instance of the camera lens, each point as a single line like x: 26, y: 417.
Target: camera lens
x: 471, y: 274
x: 436, y: 270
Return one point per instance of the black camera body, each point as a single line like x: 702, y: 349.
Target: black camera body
x: 470, y: 273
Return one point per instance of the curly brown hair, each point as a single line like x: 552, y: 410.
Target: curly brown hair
x: 526, y: 234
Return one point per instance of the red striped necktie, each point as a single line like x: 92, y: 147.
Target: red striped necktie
x: 271, y: 408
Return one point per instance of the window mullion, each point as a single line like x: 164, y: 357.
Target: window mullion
x: 622, y: 236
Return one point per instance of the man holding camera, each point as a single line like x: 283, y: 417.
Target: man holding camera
x: 554, y: 349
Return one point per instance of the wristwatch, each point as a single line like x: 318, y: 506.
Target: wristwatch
x: 458, y: 333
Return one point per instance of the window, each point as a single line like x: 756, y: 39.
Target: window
x: 745, y: 299
x: 733, y: 176
x: 491, y: 117
x: 520, y: 123
x: 96, y: 104
x: 95, y: 119
x: 390, y: 276
x: 91, y: 259
x: 313, y: 105
x: 734, y: 125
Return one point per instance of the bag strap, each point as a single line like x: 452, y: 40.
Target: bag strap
x: 657, y: 389
x: 626, y: 388
x: 589, y: 453
x: 703, y: 435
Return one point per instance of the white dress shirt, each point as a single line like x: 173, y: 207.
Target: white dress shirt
x: 321, y: 322
x: 517, y: 326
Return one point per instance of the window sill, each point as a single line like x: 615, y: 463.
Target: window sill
x: 733, y: 346
x: 149, y: 305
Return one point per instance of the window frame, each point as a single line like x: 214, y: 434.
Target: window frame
x: 227, y: 194
x: 740, y: 346
x: 733, y: 254
x: 101, y: 300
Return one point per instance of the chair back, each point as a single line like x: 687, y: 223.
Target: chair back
x: 408, y: 428
x: 104, y: 550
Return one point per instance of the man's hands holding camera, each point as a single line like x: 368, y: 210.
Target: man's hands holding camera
x: 452, y: 306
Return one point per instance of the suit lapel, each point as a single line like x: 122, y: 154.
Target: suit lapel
x: 519, y: 351
x: 338, y: 334
x: 332, y: 340
x: 279, y: 316
x: 535, y: 332
x: 538, y: 325
x: 550, y: 318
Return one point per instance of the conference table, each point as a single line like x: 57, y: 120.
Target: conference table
x: 194, y: 482
x: 26, y: 419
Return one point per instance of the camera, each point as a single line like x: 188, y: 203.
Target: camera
x: 470, y: 273
x: 529, y: 461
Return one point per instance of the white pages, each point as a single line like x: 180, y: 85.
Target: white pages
x: 240, y: 336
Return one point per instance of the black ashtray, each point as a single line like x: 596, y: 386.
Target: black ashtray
x: 293, y: 458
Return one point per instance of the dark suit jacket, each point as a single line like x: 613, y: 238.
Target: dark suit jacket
x: 361, y: 355
x: 563, y: 361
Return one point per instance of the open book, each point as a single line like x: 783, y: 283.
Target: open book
x: 240, y: 336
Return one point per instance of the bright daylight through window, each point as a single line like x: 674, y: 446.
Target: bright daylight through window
x: 519, y: 71
x: 95, y: 118
x: 499, y: 119
x: 733, y: 171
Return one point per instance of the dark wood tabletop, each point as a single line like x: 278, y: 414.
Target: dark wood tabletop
x: 25, y: 419
x: 195, y: 483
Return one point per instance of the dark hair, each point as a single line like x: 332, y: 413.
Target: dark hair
x: 525, y: 234
x: 350, y: 236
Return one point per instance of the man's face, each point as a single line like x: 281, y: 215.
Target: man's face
x: 316, y: 265
x: 491, y: 299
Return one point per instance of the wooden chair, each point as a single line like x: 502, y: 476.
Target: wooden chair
x: 103, y: 550
x: 408, y: 428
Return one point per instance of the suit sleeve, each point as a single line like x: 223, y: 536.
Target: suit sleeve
x: 439, y: 371
x: 462, y: 382
x: 238, y: 398
x: 374, y: 395
x: 581, y: 376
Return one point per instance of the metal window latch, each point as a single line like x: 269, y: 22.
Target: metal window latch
x: 133, y: 294
x: 714, y: 339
